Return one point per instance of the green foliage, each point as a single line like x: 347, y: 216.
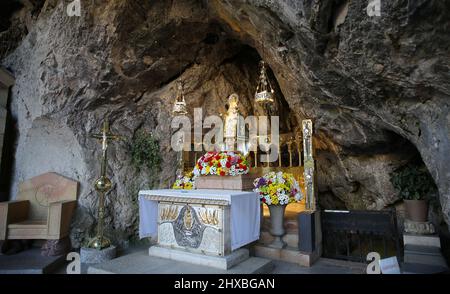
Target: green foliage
x: 413, y: 182
x: 145, y: 151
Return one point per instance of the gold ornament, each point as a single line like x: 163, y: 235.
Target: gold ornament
x: 264, y: 91
x: 102, y: 185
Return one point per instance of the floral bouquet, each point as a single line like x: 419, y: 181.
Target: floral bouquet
x: 221, y: 164
x: 186, y: 182
x: 278, y: 188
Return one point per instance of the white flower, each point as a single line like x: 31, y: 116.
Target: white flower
x: 213, y: 170
x: 283, y: 199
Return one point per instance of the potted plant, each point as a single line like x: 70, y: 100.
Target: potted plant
x: 277, y: 190
x: 414, y: 184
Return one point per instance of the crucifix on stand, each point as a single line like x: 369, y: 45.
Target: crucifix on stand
x: 102, y: 185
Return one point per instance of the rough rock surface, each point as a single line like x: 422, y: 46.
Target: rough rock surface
x: 377, y: 88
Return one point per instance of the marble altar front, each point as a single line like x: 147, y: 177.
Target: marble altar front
x: 205, y: 222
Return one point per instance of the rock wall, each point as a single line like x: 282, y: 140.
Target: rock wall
x: 374, y: 87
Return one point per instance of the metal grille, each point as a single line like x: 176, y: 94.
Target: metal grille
x: 351, y: 235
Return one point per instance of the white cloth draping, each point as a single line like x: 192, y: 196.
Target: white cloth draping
x: 244, y: 210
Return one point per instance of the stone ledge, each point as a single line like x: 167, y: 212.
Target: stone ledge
x: 422, y: 240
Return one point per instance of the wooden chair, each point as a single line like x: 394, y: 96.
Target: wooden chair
x: 43, y: 209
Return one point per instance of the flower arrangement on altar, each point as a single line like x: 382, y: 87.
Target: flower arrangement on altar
x: 186, y: 182
x: 221, y: 164
x: 278, y: 188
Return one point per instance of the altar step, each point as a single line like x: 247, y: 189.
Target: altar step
x: 422, y: 254
x: 142, y: 263
x: 290, y: 238
x: 289, y: 254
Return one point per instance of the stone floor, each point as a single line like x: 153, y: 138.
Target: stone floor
x: 30, y: 262
x: 322, y: 266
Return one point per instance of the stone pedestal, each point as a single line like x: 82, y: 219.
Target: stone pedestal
x: 219, y: 262
x: 91, y: 255
x: 419, y: 228
x: 303, y: 247
x: 239, y: 182
x: 141, y: 263
x: 290, y: 253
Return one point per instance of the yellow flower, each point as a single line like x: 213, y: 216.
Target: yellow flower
x: 274, y: 200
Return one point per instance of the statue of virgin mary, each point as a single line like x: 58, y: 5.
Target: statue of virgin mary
x: 234, y: 129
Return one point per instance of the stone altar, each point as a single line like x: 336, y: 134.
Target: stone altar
x: 205, y: 227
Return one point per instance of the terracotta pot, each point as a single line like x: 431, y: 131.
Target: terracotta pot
x: 277, y: 225
x: 416, y: 210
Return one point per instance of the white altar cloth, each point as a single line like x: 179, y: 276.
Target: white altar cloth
x: 245, y: 212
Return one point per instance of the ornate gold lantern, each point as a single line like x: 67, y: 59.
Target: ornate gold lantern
x: 179, y: 108
x: 264, y: 91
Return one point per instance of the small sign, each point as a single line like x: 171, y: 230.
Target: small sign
x: 389, y: 266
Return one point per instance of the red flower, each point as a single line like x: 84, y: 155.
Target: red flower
x: 219, y: 164
x: 239, y: 160
x: 222, y: 173
x: 264, y: 200
x: 210, y: 163
x: 228, y: 164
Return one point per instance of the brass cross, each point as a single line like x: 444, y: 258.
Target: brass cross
x: 105, y: 136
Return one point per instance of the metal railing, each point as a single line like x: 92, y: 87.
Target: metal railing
x: 351, y: 235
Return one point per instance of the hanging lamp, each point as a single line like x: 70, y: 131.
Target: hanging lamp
x: 264, y: 91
